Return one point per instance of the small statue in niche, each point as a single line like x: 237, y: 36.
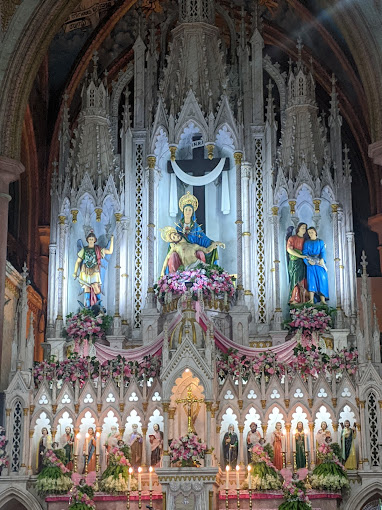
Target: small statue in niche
x: 90, y: 450
x: 44, y: 444
x: 348, y: 435
x: 156, y: 443
x: 300, y: 445
x: 89, y: 261
x: 253, y: 438
x: 67, y: 441
x: 112, y: 440
x: 136, y: 443
x: 296, y: 267
x: 323, y: 436
x: 277, y: 444
x: 230, y: 447
x: 316, y: 270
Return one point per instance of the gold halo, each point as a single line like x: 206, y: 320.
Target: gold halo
x: 188, y: 199
x: 165, y: 233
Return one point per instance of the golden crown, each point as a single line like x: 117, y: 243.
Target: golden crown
x: 188, y: 199
x: 165, y: 233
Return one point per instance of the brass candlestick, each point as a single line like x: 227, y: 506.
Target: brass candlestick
x: 86, y: 463
x: 238, y: 498
x: 151, y: 497
x: 97, y: 465
x: 139, y: 499
x: 306, y: 459
x: 75, y: 463
x: 284, y: 459
x: 250, y: 499
x: 128, y: 500
x: 294, y: 462
x: 226, y: 499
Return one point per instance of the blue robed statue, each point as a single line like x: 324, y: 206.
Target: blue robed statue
x: 316, y: 271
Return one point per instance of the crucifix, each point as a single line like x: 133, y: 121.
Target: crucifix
x: 198, y: 167
x: 189, y: 402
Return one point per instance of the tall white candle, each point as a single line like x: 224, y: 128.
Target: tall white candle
x: 249, y: 478
x: 98, y: 445
x: 129, y: 481
x: 151, y: 478
x: 237, y: 477
x: 77, y: 444
x: 227, y: 477
x: 86, y: 443
x: 139, y: 478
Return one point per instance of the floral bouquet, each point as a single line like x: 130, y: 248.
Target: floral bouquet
x: 54, y: 477
x: 82, y: 494
x: 263, y: 472
x: 310, y: 321
x: 84, y: 326
x: 211, y: 280
x: 330, y: 474
x: 344, y: 360
x: 115, y: 477
x: 294, y: 491
x: 188, y: 450
x: 230, y: 363
x: 3, y: 450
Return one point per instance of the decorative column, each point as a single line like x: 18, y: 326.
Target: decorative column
x: 10, y: 171
x: 123, y: 305
x: 171, y: 416
x: 288, y: 446
x: 117, y: 316
x: 52, y: 286
x: 352, y: 271
x: 60, y: 276
x: 30, y: 468
x: 218, y: 429
x: 278, y: 316
x: 242, y: 460
x: 339, y: 319
x: 145, y: 460
x: 213, y: 427
x: 166, y: 456
x: 362, y: 445
x: 151, y: 160
x: 312, y: 446
x: 239, y: 226
x: 27, y: 446
x: 360, y: 451
x: 208, y: 438
x: 245, y: 175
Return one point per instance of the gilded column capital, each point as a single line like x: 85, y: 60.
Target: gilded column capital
x: 151, y: 160
x: 238, y: 155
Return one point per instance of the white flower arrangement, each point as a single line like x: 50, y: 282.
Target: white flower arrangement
x: 329, y: 482
x: 113, y: 485
x: 265, y: 483
x: 59, y: 485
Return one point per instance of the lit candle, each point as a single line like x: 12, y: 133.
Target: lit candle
x: 139, y: 478
x: 77, y: 444
x: 227, y: 477
x: 237, y: 477
x: 151, y: 469
x: 98, y: 439
x: 249, y: 478
x: 129, y: 482
x: 86, y: 442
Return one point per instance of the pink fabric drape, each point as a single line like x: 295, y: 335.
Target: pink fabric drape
x: 284, y: 351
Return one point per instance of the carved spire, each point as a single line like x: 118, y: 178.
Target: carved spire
x: 193, y: 11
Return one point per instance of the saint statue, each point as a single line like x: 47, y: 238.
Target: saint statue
x: 156, y: 443
x: 182, y: 252
x: 192, y: 233
x: 253, y: 438
x: 89, y: 260
x: 90, y: 451
x: 348, y: 435
x: 67, y: 441
x: 300, y: 446
x: 296, y: 266
x: 230, y: 447
x: 317, y: 273
x: 135, y: 443
x: 44, y: 444
x: 323, y: 436
x: 112, y: 440
x: 277, y: 444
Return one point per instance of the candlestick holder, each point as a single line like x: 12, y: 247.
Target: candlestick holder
x: 238, y: 498
x: 294, y: 462
x: 75, y: 463
x: 284, y: 459
x: 86, y: 463
x: 128, y: 501
x: 250, y: 499
x: 307, y: 459
x: 151, y: 497
x: 226, y: 499
x: 139, y: 499
x: 97, y: 465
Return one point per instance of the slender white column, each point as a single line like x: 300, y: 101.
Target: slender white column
x: 243, y: 457
x: 351, y: 272
x: 150, y: 228
x: 166, y: 456
x: 336, y: 261
x: 52, y: 285
x: 60, y: 269
x: 239, y: 226
x: 118, y: 217
x: 245, y: 175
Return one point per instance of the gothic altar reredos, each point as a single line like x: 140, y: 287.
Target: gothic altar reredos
x: 186, y: 232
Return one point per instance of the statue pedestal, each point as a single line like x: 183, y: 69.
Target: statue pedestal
x: 115, y: 341
x: 240, y: 324
x: 149, y: 326
x: 278, y: 337
x: 340, y: 337
x: 57, y: 347
x: 189, y: 487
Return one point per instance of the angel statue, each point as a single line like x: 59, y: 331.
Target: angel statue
x: 92, y: 267
x: 182, y: 252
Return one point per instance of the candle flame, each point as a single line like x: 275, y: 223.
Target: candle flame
x: 131, y: 470
x: 98, y: 434
x: 249, y: 469
x: 87, y: 435
x: 237, y: 468
x: 139, y: 469
x: 78, y: 436
x: 151, y: 469
x: 227, y: 467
